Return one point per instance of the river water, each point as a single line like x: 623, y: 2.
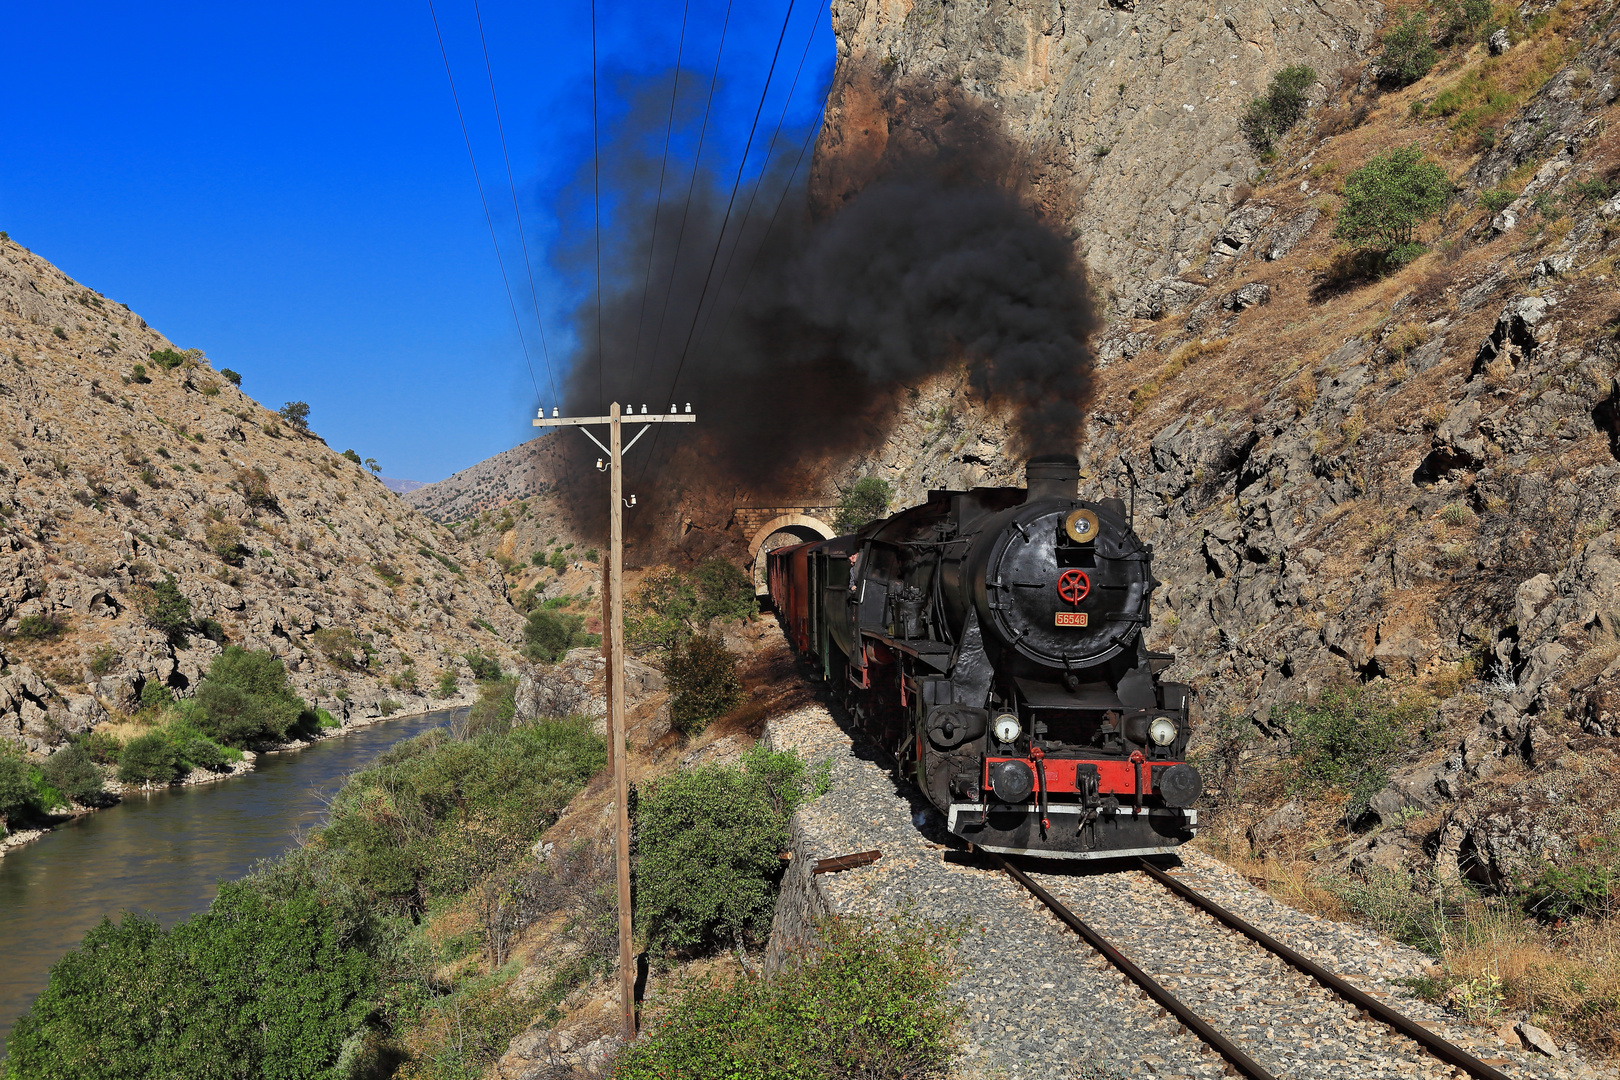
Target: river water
x: 164, y: 852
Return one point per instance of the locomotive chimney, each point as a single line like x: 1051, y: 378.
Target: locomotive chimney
x: 1052, y: 476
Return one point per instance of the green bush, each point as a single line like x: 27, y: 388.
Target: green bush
x: 102, y: 747
x: 670, y: 605
x: 866, y: 501
x: 155, y: 695
x: 1408, y: 54
x: 72, y: 771
x: 388, y: 706
x: 1349, y: 739
x: 548, y: 635
x: 164, y: 607
x: 41, y: 627
x: 352, y: 456
x: 166, y: 359
x: 484, y: 668
x: 148, y: 759
x: 1565, y: 892
x: 326, y: 720
x: 707, y: 841
x: 1497, y: 199
x: 203, y: 753
x: 245, y: 697
x: 1387, y: 198
x: 1461, y: 19
x: 448, y: 686
x: 230, y: 376
x: 254, y: 986
x: 558, y: 561
x: 16, y: 786
x: 104, y: 660
x: 455, y: 808
x: 869, y: 1001
x: 342, y: 648
x: 703, y: 682
x: 1269, y: 116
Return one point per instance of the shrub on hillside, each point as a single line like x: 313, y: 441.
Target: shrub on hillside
x: 870, y: 1000
x: 548, y: 635
x: 1387, y: 198
x: 1269, y: 116
x: 455, y: 808
x: 167, y: 359
x: 72, y: 771
x: 484, y: 668
x: 707, y: 841
x: 46, y: 627
x: 703, y: 682
x: 448, y: 686
x: 148, y: 759
x: 295, y: 413
x: 1349, y: 739
x: 230, y: 376
x: 865, y: 501
x: 245, y: 698
x: 341, y: 647
x: 164, y: 607
x: 1408, y: 54
x: 16, y: 789
x: 225, y: 541
x: 254, y: 986
x: 670, y: 605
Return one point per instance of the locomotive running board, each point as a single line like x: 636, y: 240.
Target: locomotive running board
x: 1047, y: 853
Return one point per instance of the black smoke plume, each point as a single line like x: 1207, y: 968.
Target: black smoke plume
x: 793, y: 332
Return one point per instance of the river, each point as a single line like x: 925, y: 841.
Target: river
x: 164, y: 852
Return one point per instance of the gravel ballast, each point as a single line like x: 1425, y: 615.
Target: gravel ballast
x: 1036, y: 1002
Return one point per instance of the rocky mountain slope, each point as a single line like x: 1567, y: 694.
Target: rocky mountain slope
x: 1127, y: 112
x: 1408, y: 479
x: 512, y: 474
x: 121, y: 468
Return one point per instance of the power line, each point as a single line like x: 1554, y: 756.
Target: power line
x: 551, y: 377
x: 697, y: 161
x: 596, y: 169
x: 735, y: 184
x: 721, y: 235
x: 658, y: 203
x: 759, y: 181
x: 488, y: 220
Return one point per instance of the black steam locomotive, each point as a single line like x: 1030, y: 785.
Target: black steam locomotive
x: 993, y: 640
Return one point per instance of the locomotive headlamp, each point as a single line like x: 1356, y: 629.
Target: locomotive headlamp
x: 1007, y: 728
x: 1081, y: 525
x: 1162, y: 731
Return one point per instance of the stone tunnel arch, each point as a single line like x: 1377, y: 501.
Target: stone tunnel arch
x: 783, y: 531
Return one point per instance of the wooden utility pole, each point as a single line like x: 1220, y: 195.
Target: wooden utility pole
x: 613, y: 645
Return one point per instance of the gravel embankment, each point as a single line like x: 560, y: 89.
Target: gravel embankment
x: 1037, y: 1003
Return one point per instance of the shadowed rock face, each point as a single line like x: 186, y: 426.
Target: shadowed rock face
x: 1127, y: 113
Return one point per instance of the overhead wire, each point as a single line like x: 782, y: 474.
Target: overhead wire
x: 596, y: 169
x: 488, y: 219
x: 697, y: 161
x: 759, y: 182
x: 528, y: 266
x: 720, y: 236
x: 658, y: 201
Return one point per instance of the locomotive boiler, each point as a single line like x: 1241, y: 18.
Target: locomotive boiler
x: 992, y: 640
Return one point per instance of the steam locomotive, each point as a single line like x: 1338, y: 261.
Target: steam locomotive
x: 993, y: 640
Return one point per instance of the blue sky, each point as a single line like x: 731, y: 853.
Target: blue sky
x: 286, y: 186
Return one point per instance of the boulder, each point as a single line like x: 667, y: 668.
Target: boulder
x: 1514, y: 337
x: 1165, y: 296
x: 1499, y: 43
x: 1267, y: 833
x: 1534, y: 1038
x: 1251, y: 295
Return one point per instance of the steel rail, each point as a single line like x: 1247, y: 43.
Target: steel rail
x: 1194, y: 1023
x: 1440, y: 1048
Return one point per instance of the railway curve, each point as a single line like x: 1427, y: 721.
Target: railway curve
x: 1037, y: 1003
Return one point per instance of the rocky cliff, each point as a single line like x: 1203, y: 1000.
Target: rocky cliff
x: 127, y: 460
x: 1406, y: 478
x: 1126, y: 110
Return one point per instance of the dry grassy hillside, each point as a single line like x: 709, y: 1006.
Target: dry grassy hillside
x: 119, y: 470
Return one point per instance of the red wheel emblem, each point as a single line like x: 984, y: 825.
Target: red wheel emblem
x: 1073, y: 585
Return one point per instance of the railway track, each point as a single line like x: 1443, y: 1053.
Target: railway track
x: 1239, y: 1059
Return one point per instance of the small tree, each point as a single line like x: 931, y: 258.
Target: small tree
x: 448, y: 686
x: 1269, y: 116
x: 148, y: 759
x: 865, y: 501
x: 548, y: 635
x: 165, y: 607
x: 703, y: 682
x: 1408, y: 54
x: 373, y: 467
x: 73, y: 772
x: 296, y: 413
x: 351, y: 455
x: 1386, y: 199
x: 231, y: 377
